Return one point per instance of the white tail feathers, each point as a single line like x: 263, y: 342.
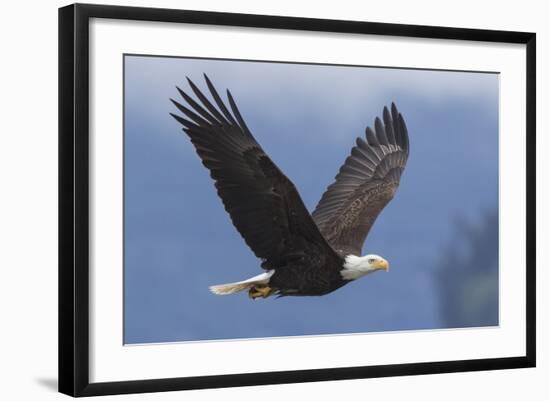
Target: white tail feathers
x: 232, y: 288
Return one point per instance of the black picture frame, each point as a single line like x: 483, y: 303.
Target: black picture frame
x: 74, y: 198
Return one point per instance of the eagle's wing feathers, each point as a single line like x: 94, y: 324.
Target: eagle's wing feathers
x: 262, y: 202
x: 365, y: 184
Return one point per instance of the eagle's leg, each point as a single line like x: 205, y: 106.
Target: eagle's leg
x: 260, y: 291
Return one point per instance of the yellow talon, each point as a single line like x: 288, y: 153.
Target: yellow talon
x: 260, y: 292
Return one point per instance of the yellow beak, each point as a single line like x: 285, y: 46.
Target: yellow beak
x: 383, y: 265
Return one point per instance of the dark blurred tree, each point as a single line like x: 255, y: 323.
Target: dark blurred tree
x: 467, y: 275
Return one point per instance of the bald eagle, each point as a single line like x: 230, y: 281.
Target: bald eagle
x: 302, y: 254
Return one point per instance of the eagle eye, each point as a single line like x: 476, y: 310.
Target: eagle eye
x: 372, y: 260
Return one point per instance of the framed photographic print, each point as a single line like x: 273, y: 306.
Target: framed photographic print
x: 249, y: 199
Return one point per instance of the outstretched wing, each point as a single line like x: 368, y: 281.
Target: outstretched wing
x: 365, y: 184
x: 262, y: 202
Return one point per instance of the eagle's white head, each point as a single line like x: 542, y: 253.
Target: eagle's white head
x: 358, y: 266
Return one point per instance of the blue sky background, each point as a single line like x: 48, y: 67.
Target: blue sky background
x: 179, y: 239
